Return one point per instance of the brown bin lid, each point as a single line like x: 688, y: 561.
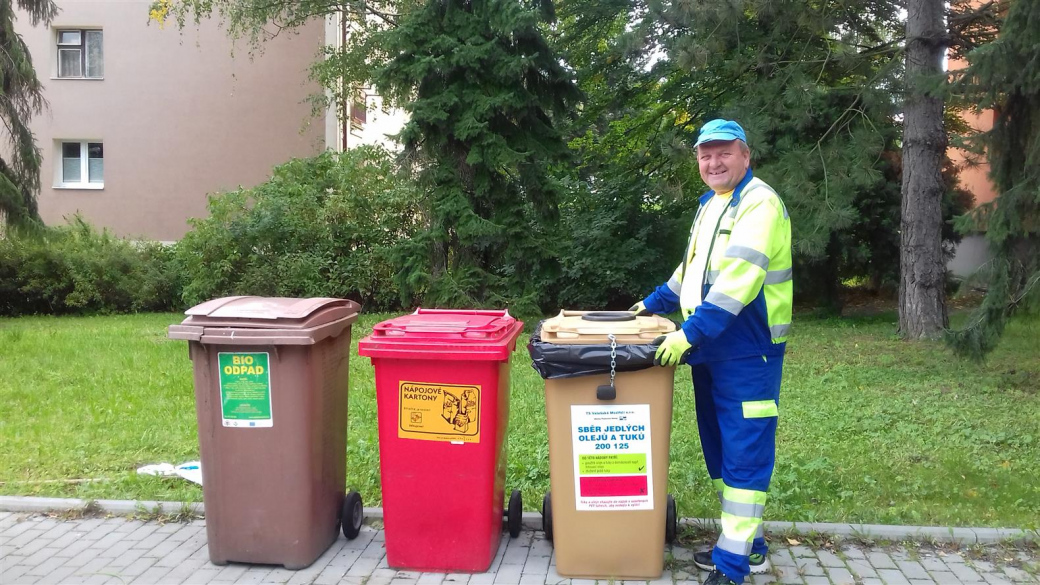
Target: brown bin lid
x: 252, y: 320
x: 588, y: 327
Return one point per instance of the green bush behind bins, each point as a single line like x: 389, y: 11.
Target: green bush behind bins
x: 324, y: 226
x: 76, y: 269
x: 327, y: 226
x: 335, y: 225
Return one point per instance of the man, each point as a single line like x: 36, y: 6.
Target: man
x: 734, y: 290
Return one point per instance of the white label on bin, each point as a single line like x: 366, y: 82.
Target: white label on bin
x: 613, y: 466
x: 245, y: 389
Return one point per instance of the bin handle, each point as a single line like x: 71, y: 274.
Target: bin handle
x: 488, y: 312
x: 609, y: 316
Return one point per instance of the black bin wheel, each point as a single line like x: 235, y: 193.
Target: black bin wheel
x: 671, y: 521
x: 515, y: 514
x: 547, y: 516
x: 353, y: 515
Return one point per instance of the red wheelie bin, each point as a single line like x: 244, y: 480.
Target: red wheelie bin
x: 442, y: 386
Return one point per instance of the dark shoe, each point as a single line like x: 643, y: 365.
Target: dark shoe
x: 759, y: 563
x: 717, y: 578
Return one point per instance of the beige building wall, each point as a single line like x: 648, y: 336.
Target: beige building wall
x: 179, y: 116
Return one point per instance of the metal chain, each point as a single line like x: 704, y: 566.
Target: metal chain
x: 613, y: 357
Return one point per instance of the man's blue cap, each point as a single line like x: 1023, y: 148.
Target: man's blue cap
x: 719, y: 129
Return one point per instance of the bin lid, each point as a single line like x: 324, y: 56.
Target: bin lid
x: 589, y: 327
x: 444, y: 334
x: 251, y: 320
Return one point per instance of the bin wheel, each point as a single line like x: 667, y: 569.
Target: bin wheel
x: 353, y: 515
x: 515, y: 518
x: 547, y: 516
x: 671, y: 521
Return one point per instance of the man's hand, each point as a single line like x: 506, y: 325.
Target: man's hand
x: 673, y: 349
x: 640, y: 310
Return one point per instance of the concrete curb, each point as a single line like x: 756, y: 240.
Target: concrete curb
x: 966, y: 536
x: 533, y: 521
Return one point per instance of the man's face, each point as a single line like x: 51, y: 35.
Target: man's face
x: 722, y: 164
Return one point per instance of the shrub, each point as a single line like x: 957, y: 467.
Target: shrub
x: 323, y: 226
x: 77, y: 269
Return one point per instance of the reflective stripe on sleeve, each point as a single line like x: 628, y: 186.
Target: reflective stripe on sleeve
x: 779, y: 276
x: 778, y: 331
x: 724, y: 302
x: 674, y: 285
x: 750, y: 254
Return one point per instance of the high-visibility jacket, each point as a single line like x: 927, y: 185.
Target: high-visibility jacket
x: 740, y: 304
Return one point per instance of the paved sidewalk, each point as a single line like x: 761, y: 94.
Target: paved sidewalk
x: 44, y: 549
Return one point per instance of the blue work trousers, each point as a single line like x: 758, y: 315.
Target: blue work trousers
x: 737, y: 426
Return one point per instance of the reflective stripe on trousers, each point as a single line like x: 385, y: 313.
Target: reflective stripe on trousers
x: 741, y: 519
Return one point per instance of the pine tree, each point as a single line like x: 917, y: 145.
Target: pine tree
x: 21, y: 97
x: 484, y: 94
x: 1004, y: 76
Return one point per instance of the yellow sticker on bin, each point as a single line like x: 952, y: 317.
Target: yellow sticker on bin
x: 439, y: 412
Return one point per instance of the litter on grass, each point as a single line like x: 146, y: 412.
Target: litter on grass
x: 191, y: 471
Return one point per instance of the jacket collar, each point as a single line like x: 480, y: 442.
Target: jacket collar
x: 736, y: 191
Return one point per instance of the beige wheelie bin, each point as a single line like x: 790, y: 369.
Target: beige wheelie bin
x: 271, y: 399
x: 608, y: 512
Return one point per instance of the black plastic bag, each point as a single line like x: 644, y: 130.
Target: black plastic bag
x: 552, y: 360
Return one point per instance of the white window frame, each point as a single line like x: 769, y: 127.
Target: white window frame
x: 82, y: 48
x: 84, y: 166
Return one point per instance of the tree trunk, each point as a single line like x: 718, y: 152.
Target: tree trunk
x: 922, y: 294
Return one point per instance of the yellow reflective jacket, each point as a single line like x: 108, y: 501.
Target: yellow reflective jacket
x: 740, y: 305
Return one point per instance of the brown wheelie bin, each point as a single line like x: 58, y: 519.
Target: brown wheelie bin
x: 271, y: 398
x: 609, y: 413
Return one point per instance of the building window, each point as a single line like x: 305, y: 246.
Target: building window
x: 355, y: 117
x: 359, y: 111
x: 82, y: 164
x: 81, y: 54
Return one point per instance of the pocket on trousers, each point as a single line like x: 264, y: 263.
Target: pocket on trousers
x: 760, y: 409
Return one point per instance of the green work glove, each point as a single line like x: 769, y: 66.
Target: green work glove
x: 672, y: 349
x: 640, y: 310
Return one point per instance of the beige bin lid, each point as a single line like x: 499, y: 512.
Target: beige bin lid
x: 251, y: 320
x: 575, y: 327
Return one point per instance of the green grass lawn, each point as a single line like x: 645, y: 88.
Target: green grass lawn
x: 872, y: 429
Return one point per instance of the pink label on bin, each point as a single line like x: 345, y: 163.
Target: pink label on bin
x: 623, y: 485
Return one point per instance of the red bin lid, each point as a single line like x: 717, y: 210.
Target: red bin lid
x: 444, y: 334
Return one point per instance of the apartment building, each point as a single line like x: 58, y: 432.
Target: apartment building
x: 143, y: 123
